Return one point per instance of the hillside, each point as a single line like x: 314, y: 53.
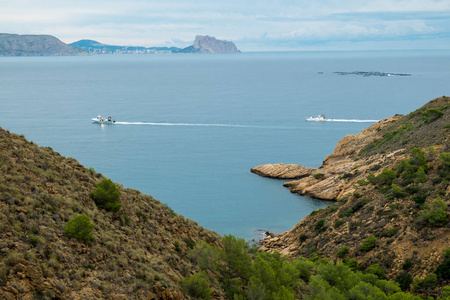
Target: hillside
x: 136, y: 253
x: 390, y: 184
x: 35, y: 45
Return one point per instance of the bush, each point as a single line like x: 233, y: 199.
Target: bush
x: 443, y: 270
x: 431, y: 115
x: 423, y: 284
x: 376, y: 270
x: 435, y: 214
x: 320, y: 226
x: 106, y: 195
x: 79, y: 227
x: 404, y: 280
x: 342, y: 252
x: 318, y: 175
x: 369, y: 243
x: 197, y: 286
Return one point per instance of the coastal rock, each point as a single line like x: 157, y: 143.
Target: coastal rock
x: 282, y: 171
x: 364, y: 209
x: 339, y: 171
x: 209, y: 44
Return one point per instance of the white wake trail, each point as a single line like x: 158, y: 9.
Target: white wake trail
x: 202, y: 125
x: 351, y: 120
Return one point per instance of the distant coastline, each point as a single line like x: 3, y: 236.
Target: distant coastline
x: 47, y: 45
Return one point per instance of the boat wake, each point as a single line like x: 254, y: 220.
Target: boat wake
x: 349, y: 120
x: 200, y: 125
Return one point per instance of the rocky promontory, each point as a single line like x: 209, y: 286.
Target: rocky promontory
x: 35, y: 45
x: 209, y: 44
x: 325, y: 182
x: 391, y: 189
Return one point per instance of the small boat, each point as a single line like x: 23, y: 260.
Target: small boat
x: 102, y: 120
x: 317, y: 119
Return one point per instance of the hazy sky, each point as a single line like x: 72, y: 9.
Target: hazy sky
x: 254, y: 25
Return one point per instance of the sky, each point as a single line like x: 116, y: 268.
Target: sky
x: 253, y: 25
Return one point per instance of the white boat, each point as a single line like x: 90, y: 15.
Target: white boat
x: 317, y: 119
x: 102, y: 120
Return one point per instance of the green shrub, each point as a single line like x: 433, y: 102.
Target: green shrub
x: 197, y: 286
x: 318, y: 175
x: 362, y: 182
x: 106, y: 195
x: 342, y: 252
x: 376, y: 270
x: 404, y: 280
x: 320, y: 225
x: 443, y: 270
x: 369, y: 243
x: 338, y: 223
x: 434, y: 214
x: 431, y: 115
x: 79, y: 227
x: 422, y: 284
x: 407, y: 264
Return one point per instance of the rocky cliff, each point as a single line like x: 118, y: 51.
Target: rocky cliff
x: 35, y: 45
x: 209, y: 44
x: 136, y: 253
x: 387, y: 181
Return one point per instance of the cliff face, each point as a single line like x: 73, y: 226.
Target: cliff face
x: 209, y: 44
x: 137, y: 253
x: 381, y: 191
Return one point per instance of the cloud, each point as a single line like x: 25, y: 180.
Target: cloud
x: 252, y: 24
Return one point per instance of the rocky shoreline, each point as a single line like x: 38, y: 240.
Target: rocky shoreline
x: 339, y: 171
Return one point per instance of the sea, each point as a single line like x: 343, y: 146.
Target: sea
x: 189, y: 127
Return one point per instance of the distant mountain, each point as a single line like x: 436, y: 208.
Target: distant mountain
x: 35, y: 45
x: 209, y: 44
x: 202, y: 44
x: 99, y: 48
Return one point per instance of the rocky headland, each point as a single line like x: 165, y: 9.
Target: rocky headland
x: 35, y: 45
x: 382, y: 194
x: 209, y: 44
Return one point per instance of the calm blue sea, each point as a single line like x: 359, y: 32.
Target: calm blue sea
x: 190, y: 127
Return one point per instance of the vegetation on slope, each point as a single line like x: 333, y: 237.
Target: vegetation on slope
x: 56, y: 242
x: 397, y: 215
x: 240, y: 272
x: 66, y: 232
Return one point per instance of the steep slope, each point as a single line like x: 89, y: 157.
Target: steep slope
x: 391, y: 183
x: 35, y: 45
x: 137, y: 253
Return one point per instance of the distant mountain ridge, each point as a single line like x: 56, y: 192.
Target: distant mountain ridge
x: 47, y: 45
x: 35, y: 45
x: 99, y: 48
x: 202, y: 44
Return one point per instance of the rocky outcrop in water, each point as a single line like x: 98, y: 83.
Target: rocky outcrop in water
x: 209, y: 44
x: 35, y: 45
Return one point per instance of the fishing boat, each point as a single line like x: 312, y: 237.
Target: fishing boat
x: 317, y: 119
x: 102, y: 120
